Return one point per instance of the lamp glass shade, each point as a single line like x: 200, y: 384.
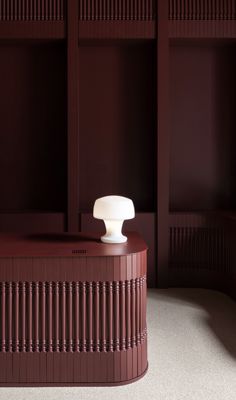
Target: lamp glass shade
x: 113, y: 210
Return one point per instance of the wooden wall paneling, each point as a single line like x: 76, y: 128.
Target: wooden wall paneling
x: 114, y: 10
x: 218, y: 274
x: 213, y: 29
x: 72, y: 113
x: 200, y: 250
x: 199, y: 18
x: 32, y: 30
x: 162, y: 142
x: 120, y: 29
x: 31, y: 10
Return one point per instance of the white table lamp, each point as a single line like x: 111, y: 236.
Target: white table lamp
x: 113, y: 210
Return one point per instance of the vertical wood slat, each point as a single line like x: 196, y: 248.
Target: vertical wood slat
x: 96, y: 12
x: 90, y: 317
x: 9, y: 316
x: 16, y: 317
x: 128, y: 315
x: 23, y: 316
x: 124, y: 13
x: 43, y: 316
x: 133, y: 314
x: 97, y: 317
x: 30, y: 317
x: 83, y: 322
x: 63, y: 317
x: 110, y: 316
x: 43, y: 10
x: 36, y: 317
x: 103, y: 317
x: 49, y: 317
x: 76, y: 317
x: 27, y: 10
x: 7, y: 10
x: 117, y: 316
x: 138, y: 328
x: 122, y: 319
x: 70, y: 318
x: 112, y: 6
x: 144, y: 300
x: 57, y: 317
x: 11, y: 10
x: 141, y: 310
x: 88, y: 9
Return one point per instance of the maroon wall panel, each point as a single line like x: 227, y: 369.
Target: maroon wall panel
x: 117, y: 123
x: 202, y: 127
x: 33, y: 134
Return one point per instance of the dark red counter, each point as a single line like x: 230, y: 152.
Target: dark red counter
x: 73, y: 310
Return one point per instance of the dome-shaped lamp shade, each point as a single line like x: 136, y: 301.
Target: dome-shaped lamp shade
x: 113, y: 210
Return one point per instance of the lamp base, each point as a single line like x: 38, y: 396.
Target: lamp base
x: 113, y: 239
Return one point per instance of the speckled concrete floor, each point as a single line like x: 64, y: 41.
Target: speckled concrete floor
x: 192, y: 353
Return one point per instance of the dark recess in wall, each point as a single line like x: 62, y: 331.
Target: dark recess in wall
x: 117, y: 122
x: 33, y: 150
x: 202, y: 122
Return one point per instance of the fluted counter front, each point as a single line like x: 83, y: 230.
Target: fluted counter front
x: 73, y: 310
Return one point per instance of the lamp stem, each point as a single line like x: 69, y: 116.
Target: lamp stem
x: 113, y: 232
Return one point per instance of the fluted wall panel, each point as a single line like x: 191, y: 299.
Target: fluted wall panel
x: 72, y: 316
x: 199, y: 242
x: 199, y: 248
x: 133, y: 10
x: 31, y: 10
x: 202, y: 10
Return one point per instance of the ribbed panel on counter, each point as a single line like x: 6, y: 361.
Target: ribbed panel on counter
x: 202, y: 9
x: 132, y: 10
x: 31, y: 10
x: 72, y: 316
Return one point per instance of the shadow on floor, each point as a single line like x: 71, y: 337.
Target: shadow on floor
x: 221, y: 310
